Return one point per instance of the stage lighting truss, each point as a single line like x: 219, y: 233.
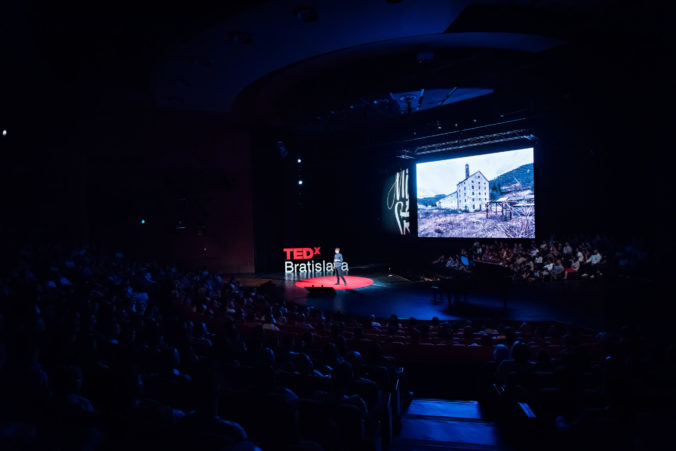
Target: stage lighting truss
x: 405, y: 154
x: 473, y: 141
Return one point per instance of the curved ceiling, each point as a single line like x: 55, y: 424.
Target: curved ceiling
x: 210, y: 71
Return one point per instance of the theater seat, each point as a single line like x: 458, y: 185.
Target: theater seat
x: 270, y: 419
x: 337, y: 427
x: 304, y: 385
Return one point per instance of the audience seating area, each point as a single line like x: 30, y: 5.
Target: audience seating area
x: 553, y: 259
x: 610, y: 395
x: 109, y: 353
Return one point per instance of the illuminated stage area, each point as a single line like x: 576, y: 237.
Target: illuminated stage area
x: 353, y: 282
x: 576, y: 301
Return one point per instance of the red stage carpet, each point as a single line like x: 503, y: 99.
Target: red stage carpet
x: 329, y: 281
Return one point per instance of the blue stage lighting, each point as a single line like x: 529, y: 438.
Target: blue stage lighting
x: 143, y: 221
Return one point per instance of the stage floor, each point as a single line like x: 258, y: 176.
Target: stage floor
x: 587, y: 303
x: 347, y: 283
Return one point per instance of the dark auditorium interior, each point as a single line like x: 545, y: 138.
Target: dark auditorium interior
x: 311, y: 225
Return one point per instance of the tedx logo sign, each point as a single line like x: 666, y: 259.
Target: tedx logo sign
x: 301, y: 253
x: 302, y: 260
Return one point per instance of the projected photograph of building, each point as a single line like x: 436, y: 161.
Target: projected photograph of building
x: 500, y: 207
x: 472, y: 193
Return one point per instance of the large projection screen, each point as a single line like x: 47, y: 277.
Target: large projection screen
x: 481, y: 196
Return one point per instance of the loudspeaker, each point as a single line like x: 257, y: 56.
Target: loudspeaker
x: 320, y: 291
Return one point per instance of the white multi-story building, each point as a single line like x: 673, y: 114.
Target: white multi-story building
x: 471, y: 195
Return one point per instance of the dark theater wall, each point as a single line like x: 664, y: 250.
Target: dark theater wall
x: 210, y: 162
x: 188, y: 175
x: 88, y: 174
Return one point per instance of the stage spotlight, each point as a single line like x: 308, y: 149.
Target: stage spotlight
x: 4, y: 133
x: 300, y: 182
x: 474, y: 120
x: 143, y: 221
x: 298, y: 160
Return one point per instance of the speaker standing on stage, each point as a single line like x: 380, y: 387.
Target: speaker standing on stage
x: 338, y: 267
